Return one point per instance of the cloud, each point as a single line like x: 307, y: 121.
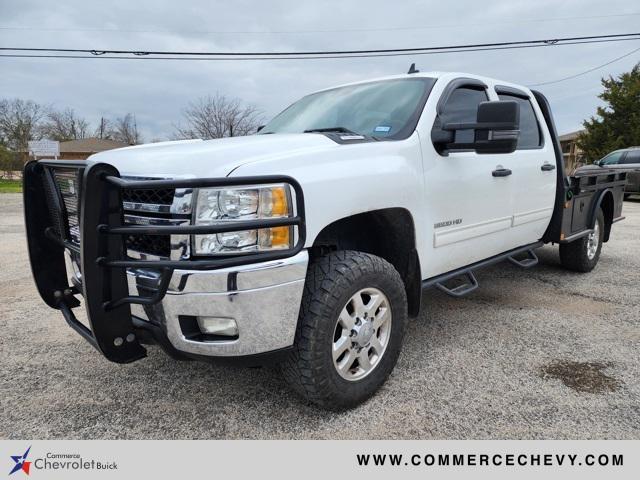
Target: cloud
x: 157, y: 91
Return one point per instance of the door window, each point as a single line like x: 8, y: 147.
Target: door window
x: 612, y: 159
x: 462, y: 107
x: 633, y: 156
x: 529, y: 129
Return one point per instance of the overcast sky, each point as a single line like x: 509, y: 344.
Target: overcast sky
x: 157, y: 91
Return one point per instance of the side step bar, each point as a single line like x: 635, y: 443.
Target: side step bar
x: 471, y: 283
x: 528, y: 262
x: 461, y: 290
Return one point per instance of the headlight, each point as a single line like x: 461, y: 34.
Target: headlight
x: 221, y: 205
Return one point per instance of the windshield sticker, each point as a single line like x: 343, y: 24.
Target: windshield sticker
x: 382, y: 129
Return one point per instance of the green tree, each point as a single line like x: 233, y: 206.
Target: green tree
x: 616, y: 124
x: 5, y: 158
x: 9, y: 162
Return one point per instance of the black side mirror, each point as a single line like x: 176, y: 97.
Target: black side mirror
x: 260, y: 128
x: 496, y: 129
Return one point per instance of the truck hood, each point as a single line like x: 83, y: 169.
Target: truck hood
x: 210, y: 158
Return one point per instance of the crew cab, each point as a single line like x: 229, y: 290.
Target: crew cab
x: 309, y: 243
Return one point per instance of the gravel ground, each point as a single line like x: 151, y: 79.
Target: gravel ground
x: 539, y: 354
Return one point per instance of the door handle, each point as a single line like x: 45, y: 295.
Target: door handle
x: 546, y: 167
x: 501, y: 172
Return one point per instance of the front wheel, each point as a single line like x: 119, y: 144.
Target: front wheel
x: 352, y: 322
x: 583, y: 254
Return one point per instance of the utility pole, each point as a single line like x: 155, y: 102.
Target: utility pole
x: 102, y: 128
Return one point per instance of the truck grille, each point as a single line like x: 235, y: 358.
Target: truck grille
x: 158, y: 245
x: 161, y: 196
x: 67, y: 222
x: 151, y: 202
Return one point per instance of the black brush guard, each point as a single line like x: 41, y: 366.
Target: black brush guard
x: 102, y: 251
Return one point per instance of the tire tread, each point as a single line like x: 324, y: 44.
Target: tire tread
x: 327, y: 276
x: 573, y: 256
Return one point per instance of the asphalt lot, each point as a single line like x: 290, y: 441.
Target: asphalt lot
x: 542, y: 353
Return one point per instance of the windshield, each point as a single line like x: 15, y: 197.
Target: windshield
x: 382, y: 109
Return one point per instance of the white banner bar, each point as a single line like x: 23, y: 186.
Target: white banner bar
x: 324, y: 460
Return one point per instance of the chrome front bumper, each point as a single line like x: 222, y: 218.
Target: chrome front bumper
x: 263, y: 298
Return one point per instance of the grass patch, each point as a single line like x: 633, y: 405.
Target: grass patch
x: 10, y: 186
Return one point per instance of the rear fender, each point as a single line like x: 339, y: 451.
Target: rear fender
x: 605, y: 201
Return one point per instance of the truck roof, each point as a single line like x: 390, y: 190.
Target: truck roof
x: 435, y: 74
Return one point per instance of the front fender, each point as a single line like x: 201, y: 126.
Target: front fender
x: 354, y: 179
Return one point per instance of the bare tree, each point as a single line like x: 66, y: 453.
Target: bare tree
x: 20, y: 121
x: 65, y: 125
x: 125, y: 130
x: 218, y: 116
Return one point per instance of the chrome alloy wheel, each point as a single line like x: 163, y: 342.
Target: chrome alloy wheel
x: 592, y: 242
x: 361, y: 334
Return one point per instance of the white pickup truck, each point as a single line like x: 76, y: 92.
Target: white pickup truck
x: 310, y: 242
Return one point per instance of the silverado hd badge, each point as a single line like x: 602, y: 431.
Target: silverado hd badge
x: 448, y: 223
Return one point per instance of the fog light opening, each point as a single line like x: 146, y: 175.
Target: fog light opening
x: 222, y: 326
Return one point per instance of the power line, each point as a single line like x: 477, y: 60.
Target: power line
x: 316, y: 54
x: 222, y: 59
x: 586, y: 71
x: 339, y: 30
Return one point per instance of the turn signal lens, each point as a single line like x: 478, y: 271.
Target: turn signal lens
x: 276, y: 238
x: 280, y: 204
x: 280, y: 236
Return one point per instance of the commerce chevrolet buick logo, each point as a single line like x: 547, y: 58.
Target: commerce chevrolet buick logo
x: 21, y: 462
x: 58, y: 461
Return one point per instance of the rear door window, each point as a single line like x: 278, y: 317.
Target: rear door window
x: 530, y: 136
x: 633, y: 156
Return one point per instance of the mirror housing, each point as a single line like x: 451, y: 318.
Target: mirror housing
x: 496, y: 129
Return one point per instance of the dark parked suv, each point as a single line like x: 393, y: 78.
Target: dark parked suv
x: 625, y: 158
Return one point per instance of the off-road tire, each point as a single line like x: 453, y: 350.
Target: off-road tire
x: 331, y: 281
x: 573, y: 256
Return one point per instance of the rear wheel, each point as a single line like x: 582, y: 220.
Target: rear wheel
x: 582, y: 255
x: 352, y: 321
